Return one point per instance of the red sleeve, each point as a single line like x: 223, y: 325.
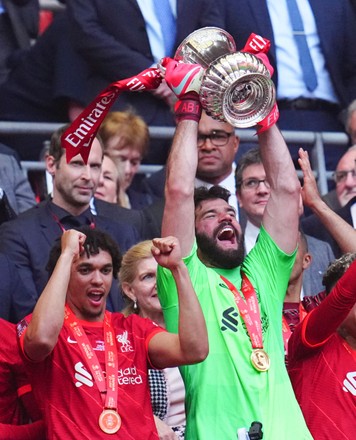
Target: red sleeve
x: 152, y: 329
x: 323, y: 321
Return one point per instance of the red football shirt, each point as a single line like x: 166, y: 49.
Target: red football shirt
x: 67, y: 394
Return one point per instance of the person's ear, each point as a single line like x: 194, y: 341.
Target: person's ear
x: 128, y: 291
x: 50, y: 165
x: 307, y: 260
x: 239, y: 198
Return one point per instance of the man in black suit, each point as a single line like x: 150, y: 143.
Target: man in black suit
x: 114, y: 38
x: 15, y: 301
x: 28, y: 239
x: 18, y: 25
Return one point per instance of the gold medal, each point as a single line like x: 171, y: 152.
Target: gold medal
x: 260, y: 359
x: 109, y: 421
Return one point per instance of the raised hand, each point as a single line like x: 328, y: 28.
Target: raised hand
x: 182, y: 78
x: 72, y: 243
x: 310, y: 192
x: 167, y: 252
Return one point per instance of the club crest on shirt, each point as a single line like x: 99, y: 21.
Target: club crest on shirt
x: 124, y: 341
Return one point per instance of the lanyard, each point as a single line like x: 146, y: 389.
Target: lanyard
x: 106, y: 387
x: 249, y: 309
x: 286, y: 331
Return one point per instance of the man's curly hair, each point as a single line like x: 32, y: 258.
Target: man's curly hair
x: 214, y: 192
x: 96, y: 240
x: 336, y: 270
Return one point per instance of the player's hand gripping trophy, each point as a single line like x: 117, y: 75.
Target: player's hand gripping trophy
x: 233, y: 86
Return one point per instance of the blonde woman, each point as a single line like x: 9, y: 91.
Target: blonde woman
x: 138, y: 282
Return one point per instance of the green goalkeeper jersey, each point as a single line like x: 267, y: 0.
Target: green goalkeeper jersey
x: 225, y: 392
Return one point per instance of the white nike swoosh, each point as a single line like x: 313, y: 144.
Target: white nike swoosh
x: 71, y: 341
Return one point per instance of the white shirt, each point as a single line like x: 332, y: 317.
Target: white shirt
x: 250, y: 234
x: 353, y: 214
x: 290, y: 77
x: 153, y: 28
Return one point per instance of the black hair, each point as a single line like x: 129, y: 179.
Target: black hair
x: 214, y: 192
x: 336, y: 270
x: 95, y: 241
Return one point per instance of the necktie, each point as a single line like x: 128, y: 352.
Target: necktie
x: 306, y: 62
x: 167, y: 21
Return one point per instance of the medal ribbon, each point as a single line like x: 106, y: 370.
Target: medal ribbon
x: 109, y: 386
x: 249, y: 309
x: 286, y: 331
x: 79, y: 136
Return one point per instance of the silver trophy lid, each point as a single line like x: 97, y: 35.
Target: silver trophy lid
x: 204, y: 46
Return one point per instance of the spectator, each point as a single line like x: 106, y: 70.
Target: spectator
x: 341, y: 231
x: 147, y: 221
x: 17, y: 404
x: 350, y: 125
x: 321, y: 356
x: 41, y: 87
x: 138, y: 281
x: 108, y: 188
x: 19, y: 21
x: 295, y: 306
x: 330, y: 32
x: 14, y: 183
x: 217, y: 149
x: 341, y: 200
x: 231, y: 388
x: 345, y: 180
x: 253, y: 192
x: 117, y: 46
x: 15, y: 301
x: 126, y: 137
x: 71, y: 310
x: 27, y: 239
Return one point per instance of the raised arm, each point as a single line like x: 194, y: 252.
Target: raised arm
x: 281, y: 216
x: 190, y: 345
x: 343, y: 233
x: 48, y: 316
x: 325, y: 319
x: 179, y: 216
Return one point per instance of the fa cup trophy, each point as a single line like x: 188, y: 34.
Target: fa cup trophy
x: 236, y: 86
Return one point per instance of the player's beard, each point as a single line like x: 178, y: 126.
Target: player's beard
x: 215, y: 256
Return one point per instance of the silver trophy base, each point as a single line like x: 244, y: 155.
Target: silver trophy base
x: 237, y: 88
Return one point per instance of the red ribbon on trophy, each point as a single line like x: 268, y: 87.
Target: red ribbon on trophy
x: 259, y: 46
x: 77, y: 139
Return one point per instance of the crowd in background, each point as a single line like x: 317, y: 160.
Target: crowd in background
x: 52, y: 65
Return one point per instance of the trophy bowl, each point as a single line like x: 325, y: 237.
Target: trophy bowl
x: 237, y: 88
x: 204, y: 46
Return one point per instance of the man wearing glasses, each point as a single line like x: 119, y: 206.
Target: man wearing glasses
x: 217, y: 148
x: 342, y: 199
x: 253, y: 192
